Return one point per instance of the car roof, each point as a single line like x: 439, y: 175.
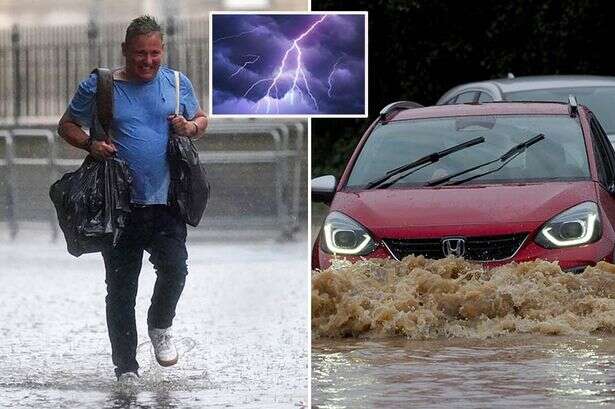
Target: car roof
x: 490, y: 108
x: 546, y: 82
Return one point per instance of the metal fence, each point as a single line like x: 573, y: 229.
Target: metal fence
x: 257, y: 170
x: 40, y: 67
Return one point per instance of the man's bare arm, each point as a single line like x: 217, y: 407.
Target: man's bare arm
x: 72, y: 133
x: 201, y: 121
x: 194, y: 128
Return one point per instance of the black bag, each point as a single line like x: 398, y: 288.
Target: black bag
x: 189, y: 188
x: 93, y: 202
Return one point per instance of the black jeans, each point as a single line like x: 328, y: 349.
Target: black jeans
x: 157, y: 230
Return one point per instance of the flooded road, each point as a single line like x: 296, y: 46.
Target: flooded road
x: 448, y: 333
x: 241, y: 327
x: 508, y: 372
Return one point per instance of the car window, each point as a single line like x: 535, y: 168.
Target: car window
x: 600, y: 100
x: 484, y: 97
x: 603, y: 159
x: 601, y: 166
x: 466, y: 97
x: 604, y: 136
x: 561, y: 155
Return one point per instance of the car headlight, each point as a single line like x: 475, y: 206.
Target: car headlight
x: 574, y: 227
x: 343, y: 235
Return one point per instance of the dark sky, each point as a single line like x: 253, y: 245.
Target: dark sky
x: 332, y: 57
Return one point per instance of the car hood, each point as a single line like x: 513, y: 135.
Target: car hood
x: 461, y: 209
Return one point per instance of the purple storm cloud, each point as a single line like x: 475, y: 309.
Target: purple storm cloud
x: 310, y: 64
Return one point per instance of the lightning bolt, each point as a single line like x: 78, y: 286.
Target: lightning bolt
x: 299, y: 75
x: 331, y: 76
x: 256, y: 57
x: 235, y: 35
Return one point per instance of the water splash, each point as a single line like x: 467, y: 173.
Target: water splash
x: 426, y: 299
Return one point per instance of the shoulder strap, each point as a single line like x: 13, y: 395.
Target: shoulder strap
x: 104, y: 103
x: 176, y: 92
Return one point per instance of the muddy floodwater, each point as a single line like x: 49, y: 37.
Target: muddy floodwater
x: 241, y: 327
x: 448, y: 333
x: 508, y: 372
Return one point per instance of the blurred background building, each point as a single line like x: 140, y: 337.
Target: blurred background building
x: 67, y: 12
x: 258, y: 168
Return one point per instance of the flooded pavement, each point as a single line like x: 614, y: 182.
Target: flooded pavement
x: 447, y: 333
x: 241, y: 329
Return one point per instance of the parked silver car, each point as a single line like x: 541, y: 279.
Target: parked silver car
x: 595, y: 92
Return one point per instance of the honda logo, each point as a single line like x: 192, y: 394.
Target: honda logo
x: 454, y: 246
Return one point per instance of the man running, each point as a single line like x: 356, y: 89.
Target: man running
x: 144, y: 103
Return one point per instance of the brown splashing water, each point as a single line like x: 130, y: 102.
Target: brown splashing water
x: 418, y: 298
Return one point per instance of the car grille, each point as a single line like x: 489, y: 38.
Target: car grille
x: 486, y: 248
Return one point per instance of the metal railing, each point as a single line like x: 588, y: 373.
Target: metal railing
x: 280, y: 157
x: 48, y: 162
x: 285, y: 153
x: 7, y: 164
x: 40, y: 67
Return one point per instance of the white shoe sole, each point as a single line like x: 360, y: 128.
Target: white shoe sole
x: 167, y: 363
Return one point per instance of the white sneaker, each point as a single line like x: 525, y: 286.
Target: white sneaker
x: 128, y: 379
x: 164, y: 348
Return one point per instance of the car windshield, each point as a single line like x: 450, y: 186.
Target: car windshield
x: 560, y: 156
x: 600, y: 100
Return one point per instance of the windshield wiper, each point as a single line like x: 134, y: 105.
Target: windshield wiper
x: 419, y: 163
x: 505, y: 158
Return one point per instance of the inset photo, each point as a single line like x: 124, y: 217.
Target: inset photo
x: 288, y: 64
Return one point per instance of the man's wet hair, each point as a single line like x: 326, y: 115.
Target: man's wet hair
x: 142, y: 25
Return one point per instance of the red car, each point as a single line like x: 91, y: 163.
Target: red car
x: 492, y: 183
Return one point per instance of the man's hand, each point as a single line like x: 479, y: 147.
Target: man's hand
x: 182, y: 126
x: 102, y: 149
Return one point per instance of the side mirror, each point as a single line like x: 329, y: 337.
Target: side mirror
x: 323, y: 189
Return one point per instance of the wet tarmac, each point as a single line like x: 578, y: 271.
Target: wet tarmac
x: 241, y: 328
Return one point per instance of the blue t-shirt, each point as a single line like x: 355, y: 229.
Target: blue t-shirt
x: 140, y: 126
